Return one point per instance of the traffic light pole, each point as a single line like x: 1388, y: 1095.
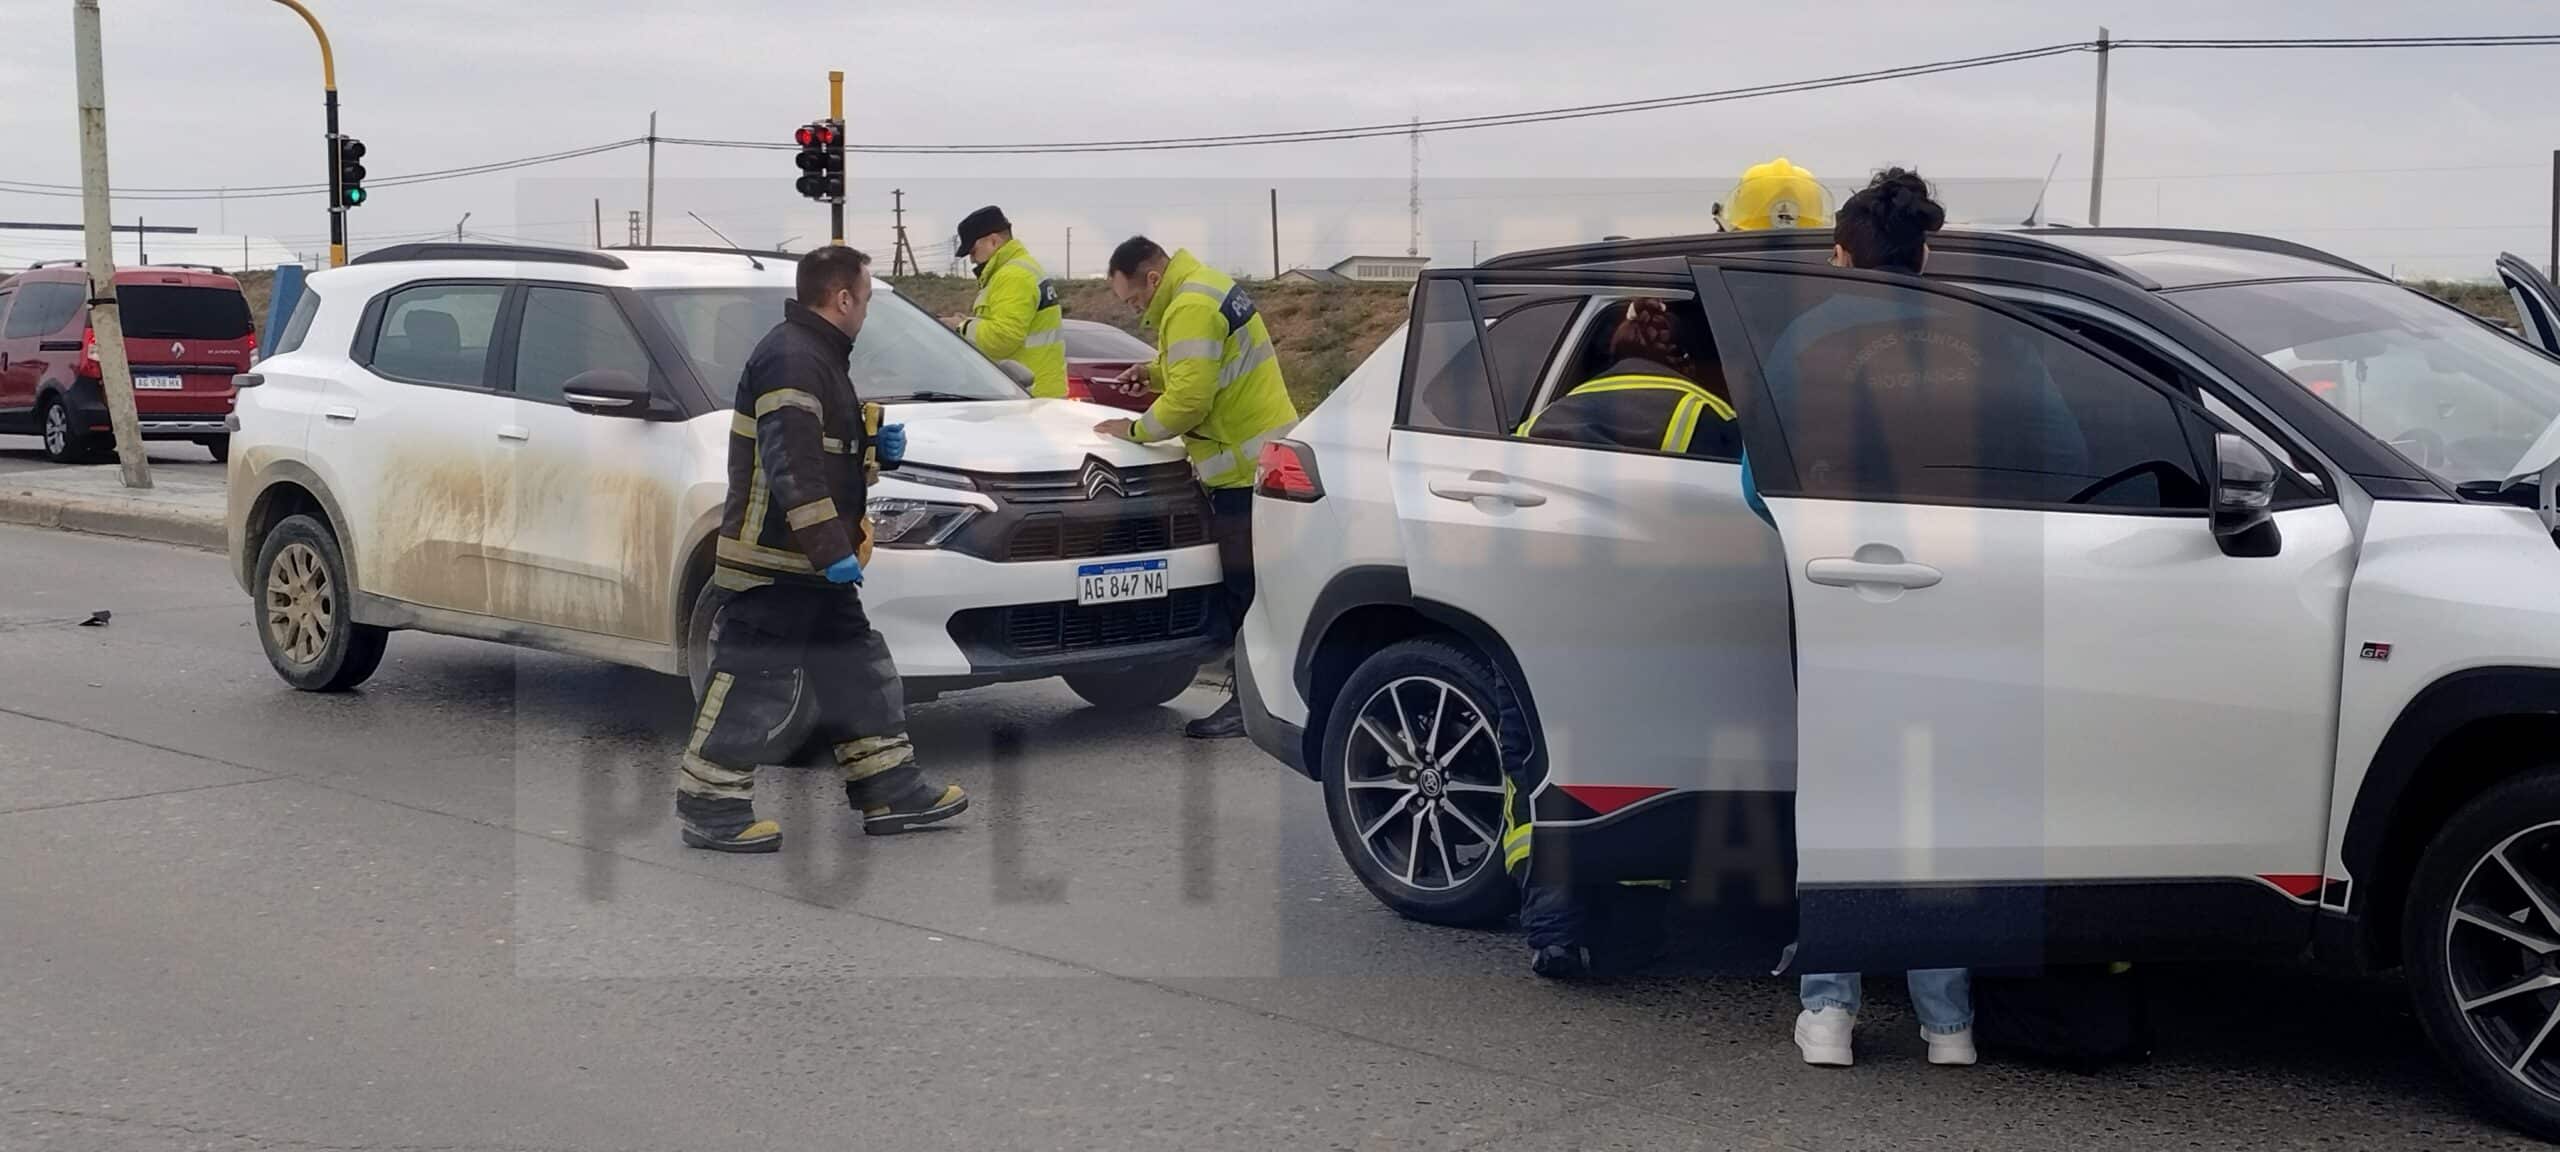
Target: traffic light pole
x: 329, y: 100
x: 835, y: 112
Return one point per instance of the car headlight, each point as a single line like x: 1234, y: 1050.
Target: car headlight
x: 935, y: 477
x: 897, y: 523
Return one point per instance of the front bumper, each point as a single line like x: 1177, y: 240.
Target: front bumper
x: 956, y: 620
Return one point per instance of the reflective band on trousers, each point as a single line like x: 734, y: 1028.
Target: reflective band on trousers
x: 1248, y: 454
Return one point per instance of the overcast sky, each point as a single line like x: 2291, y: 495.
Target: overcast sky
x: 226, y: 92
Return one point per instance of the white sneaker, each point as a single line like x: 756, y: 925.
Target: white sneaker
x: 1954, y: 1048
x: 1823, y: 1037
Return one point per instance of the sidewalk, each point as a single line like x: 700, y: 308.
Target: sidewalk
x: 179, y: 508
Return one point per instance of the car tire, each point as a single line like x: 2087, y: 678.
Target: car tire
x: 1134, y: 689
x: 63, y: 444
x: 697, y: 667
x: 1439, y: 862
x: 219, y: 447
x: 306, y: 610
x: 2461, y: 942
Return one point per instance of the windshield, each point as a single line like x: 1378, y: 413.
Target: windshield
x: 901, y: 352
x: 2454, y: 397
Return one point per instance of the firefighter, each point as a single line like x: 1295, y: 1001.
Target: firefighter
x: 1778, y: 194
x: 1648, y: 398
x: 802, y: 447
x: 1219, y: 389
x: 1016, y: 316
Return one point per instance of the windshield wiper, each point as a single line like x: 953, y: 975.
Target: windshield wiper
x: 929, y: 396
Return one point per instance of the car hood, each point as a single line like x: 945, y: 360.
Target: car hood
x: 1018, y: 436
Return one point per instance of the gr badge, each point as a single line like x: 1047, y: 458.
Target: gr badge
x: 2377, y: 652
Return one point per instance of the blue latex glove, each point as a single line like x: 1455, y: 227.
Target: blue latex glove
x: 845, y: 571
x: 892, y: 442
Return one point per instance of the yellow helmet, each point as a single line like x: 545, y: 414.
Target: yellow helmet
x: 1777, y: 194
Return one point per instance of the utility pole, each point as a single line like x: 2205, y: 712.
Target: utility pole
x: 835, y: 112
x: 106, y: 321
x: 1413, y: 242
x: 2552, y: 271
x: 1071, y: 254
x: 2098, y: 147
x: 649, y: 198
x: 328, y: 101
x: 632, y: 218
x: 902, y: 255
x: 141, y: 240
x: 599, y: 221
x: 1275, y: 233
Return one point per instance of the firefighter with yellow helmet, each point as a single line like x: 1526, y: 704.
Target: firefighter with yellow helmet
x: 1778, y: 194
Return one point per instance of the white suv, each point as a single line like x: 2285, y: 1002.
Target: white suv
x: 528, y: 445
x: 2132, y: 595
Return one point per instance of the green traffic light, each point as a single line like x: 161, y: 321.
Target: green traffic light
x: 355, y: 196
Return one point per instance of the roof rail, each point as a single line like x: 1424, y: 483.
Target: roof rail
x: 74, y: 263
x: 526, y: 253
x: 715, y: 250
x: 2249, y: 241
x: 1986, y: 243
x: 216, y: 269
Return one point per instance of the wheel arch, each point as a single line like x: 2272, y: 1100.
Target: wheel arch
x: 1362, y: 611
x: 287, y: 488
x: 2457, y: 738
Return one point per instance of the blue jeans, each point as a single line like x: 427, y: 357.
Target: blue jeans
x: 1941, y: 997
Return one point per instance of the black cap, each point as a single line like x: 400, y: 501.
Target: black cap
x: 983, y: 222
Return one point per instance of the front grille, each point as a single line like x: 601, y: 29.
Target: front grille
x: 1049, y: 629
x: 1068, y: 486
x: 1054, y: 536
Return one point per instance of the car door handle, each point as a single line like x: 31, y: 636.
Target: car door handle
x: 339, y: 415
x: 1487, y: 486
x: 1842, y: 572
x: 516, y: 432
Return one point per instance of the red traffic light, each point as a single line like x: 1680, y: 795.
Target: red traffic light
x: 815, y: 135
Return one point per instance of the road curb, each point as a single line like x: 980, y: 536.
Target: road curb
x: 133, y: 519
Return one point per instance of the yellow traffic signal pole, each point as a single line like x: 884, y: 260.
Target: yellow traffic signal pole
x: 329, y: 84
x: 835, y: 112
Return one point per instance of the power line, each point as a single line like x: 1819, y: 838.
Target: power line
x: 272, y: 191
x: 2525, y: 40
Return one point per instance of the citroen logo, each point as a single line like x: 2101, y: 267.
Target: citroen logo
x: 1100, y: 478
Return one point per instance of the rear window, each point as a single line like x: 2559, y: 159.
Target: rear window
x: 178, y: 312
x: 1101, y: 342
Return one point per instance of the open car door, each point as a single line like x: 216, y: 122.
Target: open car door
x: 2046, y: 713
x: 2537, y: 303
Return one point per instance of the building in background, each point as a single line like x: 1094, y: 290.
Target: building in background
x: 22, y: 245
x: 1363, y: 269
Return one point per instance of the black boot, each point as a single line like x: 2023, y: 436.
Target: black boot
x: 1227, y: 723
x: 1561, y: 962
x: 926, y: 803
x: 725, y: 825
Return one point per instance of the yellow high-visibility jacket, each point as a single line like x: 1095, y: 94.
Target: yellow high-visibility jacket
x: 1218, y: 374
x: 1017, y: 317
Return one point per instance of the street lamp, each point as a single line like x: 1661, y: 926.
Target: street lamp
x: 457, y: 227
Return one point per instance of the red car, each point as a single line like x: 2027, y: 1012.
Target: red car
x: 186, y: 331
x: 1097, y: 354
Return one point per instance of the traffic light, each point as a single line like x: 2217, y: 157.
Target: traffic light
x: 821, y: 160
x: 350, y: 171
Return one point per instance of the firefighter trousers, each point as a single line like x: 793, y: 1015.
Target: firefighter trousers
x: 771, y: 645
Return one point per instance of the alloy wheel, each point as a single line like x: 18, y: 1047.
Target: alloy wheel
x: 1423, y: 774
x: 2502, y: 956
x: 57, y: 430
x: 301, y: 604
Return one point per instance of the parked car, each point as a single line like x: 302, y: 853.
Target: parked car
x: 2201, y: 613
x: 528, y: 446
x: 1097, y: 354
x: 186, y: 333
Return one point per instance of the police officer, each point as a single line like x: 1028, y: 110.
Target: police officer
x: 1016, y: 316
x: 793, y: 539
x: 1219, y: 386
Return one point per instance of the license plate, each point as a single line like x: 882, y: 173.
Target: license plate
x: 158, y: 383
x: 1121, y: 580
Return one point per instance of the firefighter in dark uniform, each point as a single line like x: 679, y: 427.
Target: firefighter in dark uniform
x: 1649, y: 397
x: 793, y: 539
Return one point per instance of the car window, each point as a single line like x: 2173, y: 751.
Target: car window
x: 1889, y: 392
x: 43, y: 308
x: 438, y: 334
x: 567, y: 331
x: 1103, y: 342
x: 1521, y: 331
x: 6, y: 295
x: 182, y: 312
x: 298, y: 325
x: 1448, y: 387
x: 1633, y: 412
x: 2298, y: 483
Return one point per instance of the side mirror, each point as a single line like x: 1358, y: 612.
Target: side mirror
x: 607, y: 392
x: 1016, y: 372
x: 2243, y: 493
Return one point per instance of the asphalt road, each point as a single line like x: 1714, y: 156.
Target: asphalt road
x: 449, y: 911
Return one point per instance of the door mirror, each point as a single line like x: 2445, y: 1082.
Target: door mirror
x: 607, y: 392
x: 2243, y: 494
x: 1016, y: 372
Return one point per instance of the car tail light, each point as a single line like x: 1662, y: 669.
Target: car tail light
x: 88, y: 363
x: 1079, y: 388
x: 1287, y: 471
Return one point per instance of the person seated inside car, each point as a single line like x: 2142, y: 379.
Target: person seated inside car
x: 1660, y: 391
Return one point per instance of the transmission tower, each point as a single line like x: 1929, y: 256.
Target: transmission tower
x: 633, y: 220
x: 1413, y: 201
x: 902, y: 256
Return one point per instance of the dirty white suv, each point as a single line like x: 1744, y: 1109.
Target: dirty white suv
x: 527, y: 446
x: 2119, y: 595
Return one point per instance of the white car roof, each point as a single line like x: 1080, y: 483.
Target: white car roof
x: 643, y: 270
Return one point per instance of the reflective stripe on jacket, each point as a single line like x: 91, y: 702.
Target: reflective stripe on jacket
x: 798, y: 447
x: 1017, y: 318
x: 1218, y: 374
x: 1634, y: 410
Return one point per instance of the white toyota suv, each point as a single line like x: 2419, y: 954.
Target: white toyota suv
x: 2131, y: 595
x: 527, y: 445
